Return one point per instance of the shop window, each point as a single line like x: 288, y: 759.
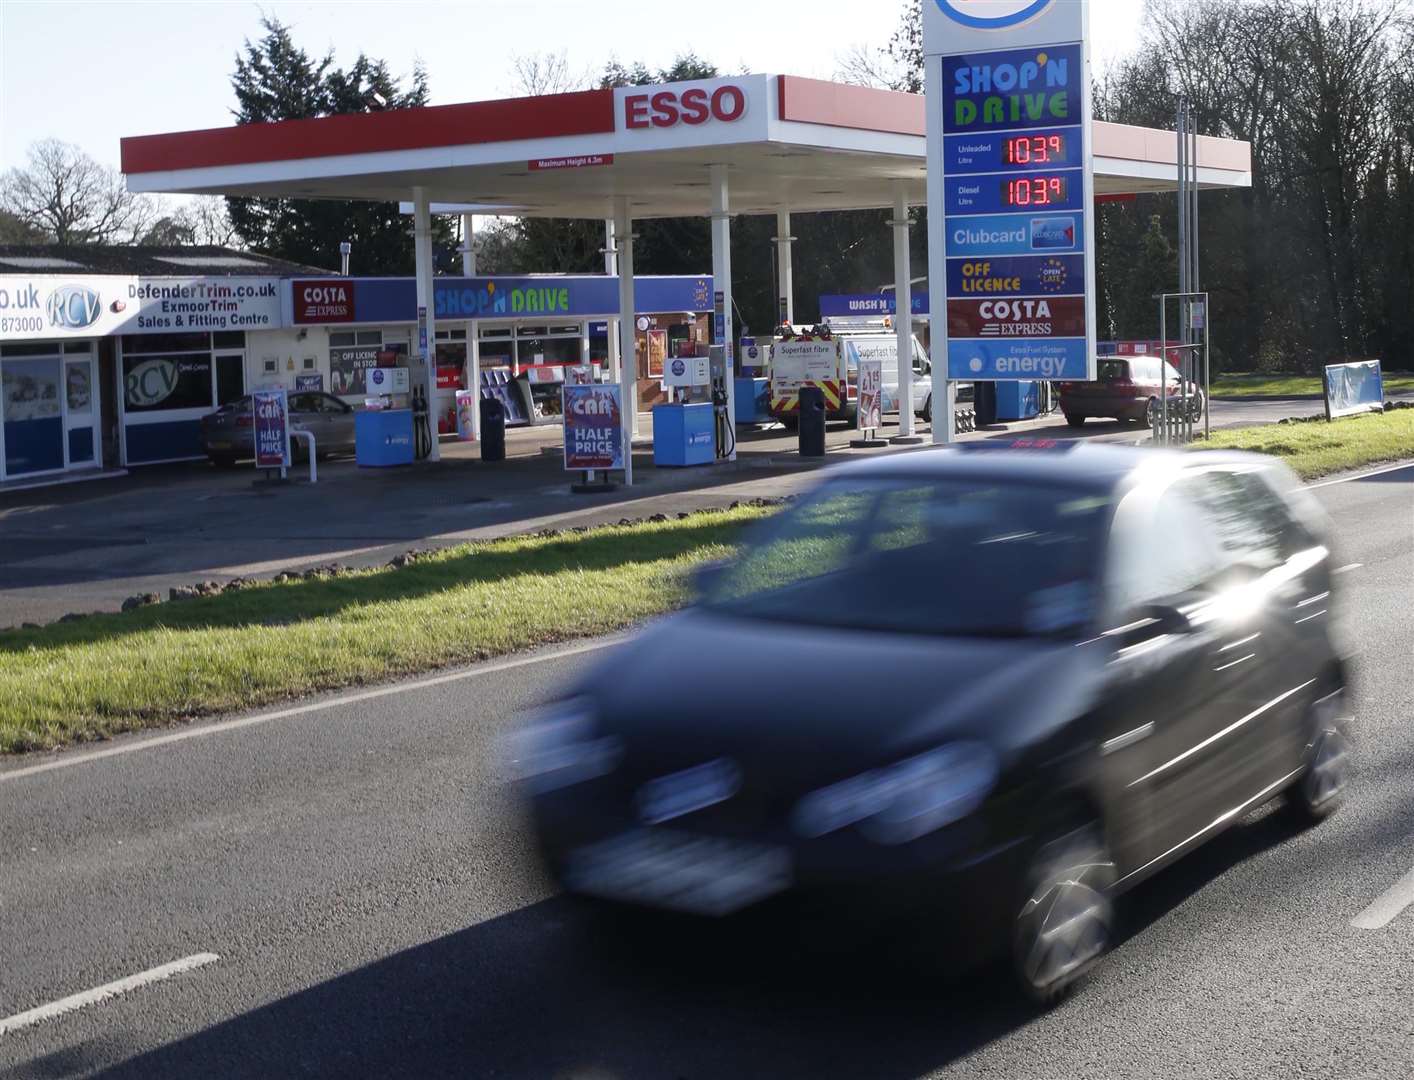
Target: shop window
x: 532, y: 331
x: 81, y: 347
x: 161, y: 383
x: 533, y: 351
x: 309, y: 363
x: 229, y: 339
x: 146, y: 344
x: 41, y: 349
x: 370, y: 337
x: 343, y: 339
x: 271, y: 365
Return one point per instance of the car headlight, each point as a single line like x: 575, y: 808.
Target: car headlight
x: 561, y: 747
x: 903, y: 802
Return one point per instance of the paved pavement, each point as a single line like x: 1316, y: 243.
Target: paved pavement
x: 88, y: 547
x: 375, y: 905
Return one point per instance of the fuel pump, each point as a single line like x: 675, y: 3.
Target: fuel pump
x: 720, y: 372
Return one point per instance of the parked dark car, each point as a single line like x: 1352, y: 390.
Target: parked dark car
x: 976, y: 693
x: 1128, y: 388
x: 227, y: 435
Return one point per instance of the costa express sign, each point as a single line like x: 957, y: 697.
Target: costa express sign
x: 323, y: 301
x: 694, y: 107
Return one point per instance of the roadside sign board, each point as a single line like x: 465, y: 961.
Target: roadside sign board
x: 594, y: 433
x: 799, y: 363
x: 871, y: 389
x: 1011, y: 187
x: 272, y: 429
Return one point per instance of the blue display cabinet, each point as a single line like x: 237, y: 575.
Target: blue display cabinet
x: 383, y: 438
x: 753, y: 401
x: 684, y: 435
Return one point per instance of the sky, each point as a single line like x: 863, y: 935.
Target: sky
x: 90, y: 73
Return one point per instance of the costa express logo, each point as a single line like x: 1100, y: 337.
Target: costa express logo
x: 498, y: 299
x: 324, y: 301
x: 996, y: 90
x: 992, y: 14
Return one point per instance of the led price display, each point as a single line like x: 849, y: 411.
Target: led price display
x: 1035, y: 191
x: 1034, y: 149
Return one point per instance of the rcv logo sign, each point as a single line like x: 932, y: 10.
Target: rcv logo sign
x: 74, y: 307
x: 993, y: 14
x: 151, y: 383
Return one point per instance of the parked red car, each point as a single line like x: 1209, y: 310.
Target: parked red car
x: 1129, y: 388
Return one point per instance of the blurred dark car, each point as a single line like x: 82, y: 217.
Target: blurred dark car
x: 1128, y: 388
x: 228, y: 434
x: 979, y: 693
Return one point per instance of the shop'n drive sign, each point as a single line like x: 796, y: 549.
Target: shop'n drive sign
x: 1011, y: 187
x: 323, y: 301
x: 694, y: 107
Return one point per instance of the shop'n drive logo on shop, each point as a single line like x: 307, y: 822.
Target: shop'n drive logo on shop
x: 475, y: 302
x: 993, y: 14
x: 694, y: 107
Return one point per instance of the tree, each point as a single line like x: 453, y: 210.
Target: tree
x: 15, y: 230
x: 71, y: 199
x: 547, y: 73
x: 202, y: 221
x: 274, y: 80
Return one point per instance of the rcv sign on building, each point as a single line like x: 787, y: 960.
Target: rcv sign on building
x: 1011, y: 185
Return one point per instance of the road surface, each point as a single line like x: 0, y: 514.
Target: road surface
x: 353, y: 895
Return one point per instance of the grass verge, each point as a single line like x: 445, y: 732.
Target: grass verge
x: 1318, y: 448
x: 106, y: 674
x: 1225, y: 386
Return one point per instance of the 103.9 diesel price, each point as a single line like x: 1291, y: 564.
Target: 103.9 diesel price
x: 1035, y: 191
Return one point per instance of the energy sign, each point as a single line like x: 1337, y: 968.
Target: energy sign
x: 1011, y: 182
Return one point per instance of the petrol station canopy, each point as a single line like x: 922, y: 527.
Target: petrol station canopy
x: 789, y: 144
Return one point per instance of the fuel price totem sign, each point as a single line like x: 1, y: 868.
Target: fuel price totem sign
x: 1011, y: 182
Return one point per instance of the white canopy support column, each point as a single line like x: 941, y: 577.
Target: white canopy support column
x: 473, y: 328
x: 422, y: 251
x: 785, y: 269
x: 903, y: 317
x: 628, y: 374
x: 611, y: 268
x: 722, y: 283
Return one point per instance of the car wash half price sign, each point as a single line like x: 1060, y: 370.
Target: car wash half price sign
x: 1011, y: 179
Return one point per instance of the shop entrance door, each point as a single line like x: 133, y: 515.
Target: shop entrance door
x: 230, y: 378
x: 81, y: 412
x: 32, y: 414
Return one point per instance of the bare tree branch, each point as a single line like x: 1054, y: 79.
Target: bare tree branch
x: 73, y: 199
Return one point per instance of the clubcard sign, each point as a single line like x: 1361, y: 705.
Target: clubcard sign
x: 1011, y: 187
x: 594, y: 431
x: 272, y: 429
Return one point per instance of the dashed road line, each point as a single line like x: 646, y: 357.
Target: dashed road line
x: 1384, y: 910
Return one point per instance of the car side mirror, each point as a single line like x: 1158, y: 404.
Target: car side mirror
x: 1167, y: 619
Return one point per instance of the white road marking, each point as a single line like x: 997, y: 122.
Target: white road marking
x: 221, y: 727
x: 1361, y: 476
x: 74, y: 1002
x: 1347, y: 569
x: 1394, y: 900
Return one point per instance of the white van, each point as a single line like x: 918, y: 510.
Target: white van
x: 884, y: 348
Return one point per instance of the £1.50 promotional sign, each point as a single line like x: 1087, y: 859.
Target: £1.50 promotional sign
x: 1011, y: 187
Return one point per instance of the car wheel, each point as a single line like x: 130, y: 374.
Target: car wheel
x: 790, y: 423
x: 1072, y: 420
x: 928, y: 410
x: 1150, y: 417
x: 1321, y: 789
x: 1064, y: 923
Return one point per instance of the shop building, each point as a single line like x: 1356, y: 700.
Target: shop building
x: 109, y: 356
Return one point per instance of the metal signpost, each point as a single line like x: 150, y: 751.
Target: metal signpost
x: 1010, y: 192
x: 1179, y: 428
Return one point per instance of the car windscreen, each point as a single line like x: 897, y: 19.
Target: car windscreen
x: 981, y: 559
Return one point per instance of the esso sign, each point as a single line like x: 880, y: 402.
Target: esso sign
x: 992, y: 14
x: 697, y: 106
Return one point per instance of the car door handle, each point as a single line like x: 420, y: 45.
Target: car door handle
x: 1129, y: 738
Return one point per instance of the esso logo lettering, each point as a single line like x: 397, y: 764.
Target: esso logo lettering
x: 667, y: 108
x: 993, y: 14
